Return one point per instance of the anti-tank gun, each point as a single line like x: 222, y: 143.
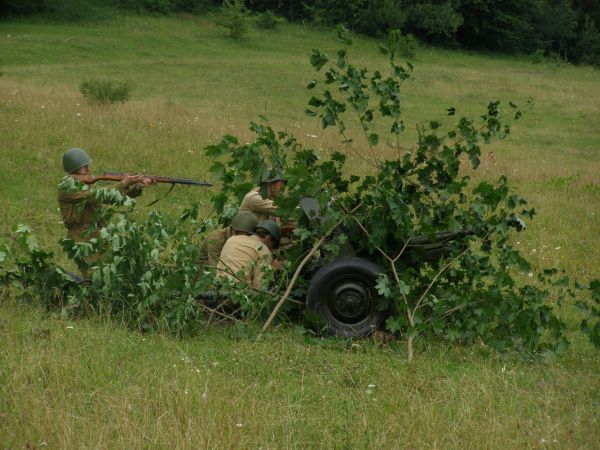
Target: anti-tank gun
x: 342, y: 288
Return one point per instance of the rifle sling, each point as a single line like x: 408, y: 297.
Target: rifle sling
x: 161, y: 198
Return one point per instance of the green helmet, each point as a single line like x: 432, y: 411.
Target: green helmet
x: 75, y: 159
x: 273, y: 175
x: 244, y: 221
x: 272, y: 227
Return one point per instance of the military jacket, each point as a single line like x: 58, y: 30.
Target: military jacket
x: 79, y: 208
x: 262, y: 208
x: 211, y: 246
x: 246, y: 256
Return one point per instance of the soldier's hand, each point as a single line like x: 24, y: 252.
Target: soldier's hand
x: 148, y: 181
x: 129, y: 179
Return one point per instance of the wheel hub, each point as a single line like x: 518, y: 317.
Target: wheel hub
x: 350, y: 302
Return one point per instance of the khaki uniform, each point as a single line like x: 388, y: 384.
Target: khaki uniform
x: 247, y: 254
x: 211, y: 246
x: 80, y: 209
x: 262, y: 208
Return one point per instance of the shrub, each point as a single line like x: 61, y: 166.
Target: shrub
x: 267, y: 20
x: 379, y: 17
x: 234, y: 17
x: 539, y: 56
x: 78, y: 10
x: 588, y: 47
x: 433, y: 22
x: 105, y: 91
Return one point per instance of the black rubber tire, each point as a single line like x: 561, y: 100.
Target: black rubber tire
x: 343, y: 294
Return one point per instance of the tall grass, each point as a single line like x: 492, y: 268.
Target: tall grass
x: 91, y: 384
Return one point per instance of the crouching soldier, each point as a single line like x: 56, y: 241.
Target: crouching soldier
x: 260, y: 199
x: 211, y: 246
x: 245, y: 255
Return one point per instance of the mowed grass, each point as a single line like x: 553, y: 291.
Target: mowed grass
x: 96, y: 385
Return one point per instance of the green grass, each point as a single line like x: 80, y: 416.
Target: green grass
x: 96, y: 385
x: 91, y: 384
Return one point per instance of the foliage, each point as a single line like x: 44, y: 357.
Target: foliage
x: 267, y: 20
x: 481, y: 287
x: 515, y: 26
x: 234, y: 17
x: 434, y: 22
x: 105, y: 91
x: 588, y: 47
x: 379, y: 17
x: 145, y: 274
x: 557, y: 23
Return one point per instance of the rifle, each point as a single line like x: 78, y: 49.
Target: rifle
x: 118, y: 176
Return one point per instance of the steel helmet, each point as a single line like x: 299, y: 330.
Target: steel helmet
x: 272, y: 227
x: 273, y: 175
x: 75, y: 159
x: 244, y: 221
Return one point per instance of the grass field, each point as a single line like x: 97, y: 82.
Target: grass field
x: 90, y: 384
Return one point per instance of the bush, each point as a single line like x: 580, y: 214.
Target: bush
x: 234, y: 17
x: 267, y: 20
x: 79, y: 10
x: 379, y: 17
x: 539, y: 56
x: 105, y: 91
x: 433, y: 22
x: 588, y: 47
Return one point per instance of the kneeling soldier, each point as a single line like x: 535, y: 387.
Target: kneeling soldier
x: 248, y: 254
x: 211, y: 246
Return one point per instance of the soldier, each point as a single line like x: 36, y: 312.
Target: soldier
x: 211, y: 246
x: 81, y: 209
x: 270, y: 232
x: 254, y: 202
x: 248, y: 254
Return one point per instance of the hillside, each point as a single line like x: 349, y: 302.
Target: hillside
x: 92, y: 384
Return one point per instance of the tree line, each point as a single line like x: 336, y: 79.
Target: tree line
x: 564, y: 29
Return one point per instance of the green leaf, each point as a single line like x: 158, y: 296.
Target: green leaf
x: 318, y: 59
x: 383, y: 286
x: 341, y: 34
x: 403, y: 288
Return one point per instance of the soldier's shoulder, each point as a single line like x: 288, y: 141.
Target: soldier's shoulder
x: 215, y: 235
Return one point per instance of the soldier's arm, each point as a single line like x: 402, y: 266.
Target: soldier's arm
x: 262, y: 206
x: 214, y: 247
x: 264, y: 260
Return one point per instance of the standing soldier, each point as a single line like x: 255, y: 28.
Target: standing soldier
x: 81, y: 209
x: 211, y: 246
x: 248, y: 255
